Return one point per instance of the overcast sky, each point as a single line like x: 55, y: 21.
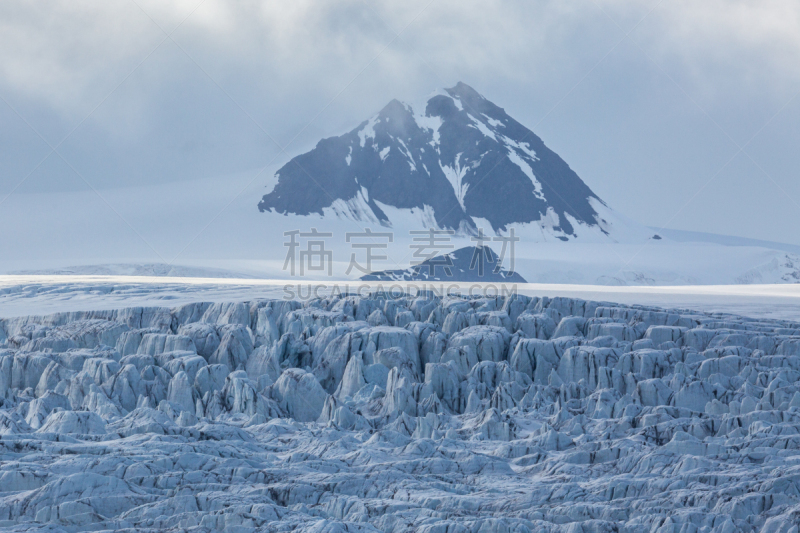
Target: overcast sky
x: 676, y: 113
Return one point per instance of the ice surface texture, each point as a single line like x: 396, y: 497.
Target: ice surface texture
x: 413, y: 413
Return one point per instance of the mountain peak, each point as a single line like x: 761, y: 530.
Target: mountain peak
x: 394, y: 108
x: 458, y: 159
x: 461, y: 90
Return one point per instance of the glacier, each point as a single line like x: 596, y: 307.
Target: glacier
x: 400, y: 413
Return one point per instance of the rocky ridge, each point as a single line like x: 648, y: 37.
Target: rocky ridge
x: 471, y: 263
x: 456, y: 161
x: 411, y: 413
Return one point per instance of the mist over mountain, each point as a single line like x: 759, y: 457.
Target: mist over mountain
x: 454, y: 159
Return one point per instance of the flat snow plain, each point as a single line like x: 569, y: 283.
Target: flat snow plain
x: 42, y: 294
x: 128, y: 404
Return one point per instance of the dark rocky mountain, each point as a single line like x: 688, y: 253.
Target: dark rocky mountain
x: 468, y: 264
x: 459, y: 157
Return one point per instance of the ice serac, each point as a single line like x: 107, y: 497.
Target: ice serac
x: 455, y: 158
x: 402, y: 413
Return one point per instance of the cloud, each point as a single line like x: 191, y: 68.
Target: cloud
x: 68, y: 55
x: 248, y: 79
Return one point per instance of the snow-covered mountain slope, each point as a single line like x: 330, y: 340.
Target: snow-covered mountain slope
x: 212, y: 224
x: 726, y: 240
x: 462, y: 265
x: 458, y: 161
x: 136, y: 269
x: 784, y: 268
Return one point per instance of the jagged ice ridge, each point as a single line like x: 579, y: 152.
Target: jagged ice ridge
x: 413, y: 413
